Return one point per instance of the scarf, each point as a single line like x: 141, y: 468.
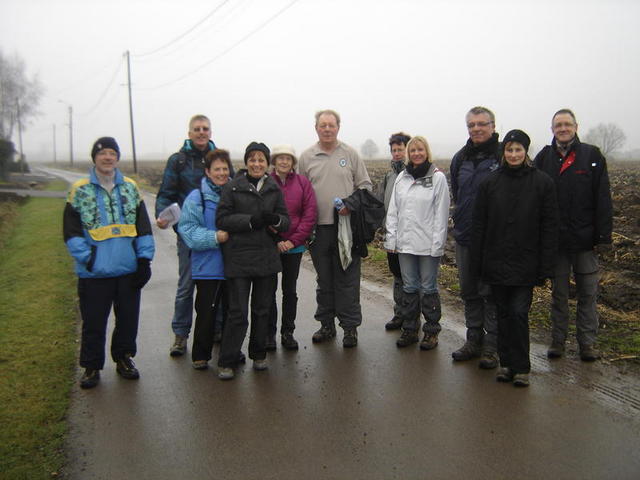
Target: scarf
x: 490, y: 147
x: 418, y: 171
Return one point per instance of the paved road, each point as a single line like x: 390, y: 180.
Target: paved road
x: 374, y: 412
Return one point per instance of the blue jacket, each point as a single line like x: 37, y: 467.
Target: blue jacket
x: 197, y: 228
x: 106, y: 232
x: 467, y: 171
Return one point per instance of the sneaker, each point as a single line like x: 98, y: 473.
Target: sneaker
x: 325, y: 333
x: 179, y: 346
x: 488, y: 360
x: 90, y: 378
x: 217, y: 337
x: 226, y: 373
x: 589, y: 353
x: 407, y: 338
x: 288, y: 342
x: 394, y: 324
x: 270, y: 344
x: 556, y: 350
x: 429, y: 341
x: 468, y: 351
x: 260, y: 365
x: 504, y: 375
x: 350, y: 338
x: 200, y: 364
x: 126, y: 368
x: 521, y: 380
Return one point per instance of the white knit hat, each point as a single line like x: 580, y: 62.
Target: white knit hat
x: 283, y: 149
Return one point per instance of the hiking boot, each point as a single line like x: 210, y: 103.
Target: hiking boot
x: 217, y: 336
x: 260, y: 365
x: 200, y: 364
x: 407, y: 338
x: 468, y: 351
x: 288, y: 342
x: 326, y: 332
x: 270, y: 344
x: 90, y: 378
x: 126, y: 368
x: 179, y: 346
x: 556, y: 350
x: 488, y: 360
x: 394, y: 324
x: 504, y: 375
x: 429, y: 341
x: 226, y: 373
x: 521, y: 380
x: 589, y: 353
x: 350, y: 338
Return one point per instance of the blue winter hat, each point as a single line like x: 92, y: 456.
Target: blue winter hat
x: 102, y: 143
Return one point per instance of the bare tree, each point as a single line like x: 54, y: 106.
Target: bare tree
x: 369, y: 148
x: 608, y: 136
x: 19, y: 95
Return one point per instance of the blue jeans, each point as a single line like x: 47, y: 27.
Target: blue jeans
x: 419, y: 273
x: 183, y: 309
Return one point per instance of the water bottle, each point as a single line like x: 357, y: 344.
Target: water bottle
x: 338, y: 203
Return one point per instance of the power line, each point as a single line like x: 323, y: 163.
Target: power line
x: 183, y: 34
x: 104, y: 93
x: 224, y: 52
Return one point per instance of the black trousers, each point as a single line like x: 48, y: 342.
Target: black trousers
x: 97, y: 296
x: 512, y: 312
x: 289, y: 281
x: 211, y: 296
x: 235, y: 328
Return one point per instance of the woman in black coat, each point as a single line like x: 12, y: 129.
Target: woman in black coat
x: 514, y: 241
x: 251, y: 209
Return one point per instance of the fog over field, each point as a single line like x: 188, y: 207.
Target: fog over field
x: 260, y: 69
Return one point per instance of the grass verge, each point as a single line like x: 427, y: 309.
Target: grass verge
x: 37, y: 340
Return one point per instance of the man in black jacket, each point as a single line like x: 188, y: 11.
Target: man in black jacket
x: 584, y: 199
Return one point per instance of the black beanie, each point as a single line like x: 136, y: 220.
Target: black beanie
x: 517, y: 136
x: 102, y: 143
x: 261, y: 147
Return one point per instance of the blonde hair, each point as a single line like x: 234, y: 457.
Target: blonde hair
x: 422, y: 140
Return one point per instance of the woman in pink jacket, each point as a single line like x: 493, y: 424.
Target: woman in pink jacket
x: 302, y: 208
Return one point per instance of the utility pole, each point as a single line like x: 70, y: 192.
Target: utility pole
x: 20, y: 136
x: 54, y: 144
x: 133, y: 136
x: 71, y: 136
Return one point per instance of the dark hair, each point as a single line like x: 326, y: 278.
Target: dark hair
x: 399, y: 138
x: 217, y: 154
x: 563, y: 111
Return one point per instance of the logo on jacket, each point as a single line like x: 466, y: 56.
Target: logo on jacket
x: 343, y: 162
x: 115, y: 231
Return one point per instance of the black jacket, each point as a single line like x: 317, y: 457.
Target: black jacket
x: 367, y: 213
x: 515, y: 227
x: 248, y: 252
x: 584, y: 196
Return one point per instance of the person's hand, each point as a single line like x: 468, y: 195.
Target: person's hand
x: 256, y: 222
x: 285, y: 246
x: 343, y: 211
x: 143, y: 273
x: 162, y: 223
x: 389, y: 251
x: 222, y: 236
x: 270, y: 218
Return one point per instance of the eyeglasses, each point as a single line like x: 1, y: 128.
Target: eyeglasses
x: 564, y: 125
x: 478, y: 124
x: 198, y: 129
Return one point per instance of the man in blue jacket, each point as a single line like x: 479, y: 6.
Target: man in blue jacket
x: 182, y: 174
x: 469, y: 166
x: 107, y: 232
x: 580, y: 173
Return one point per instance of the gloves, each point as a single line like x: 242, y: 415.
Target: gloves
x: 256, y: 222
x: 143, y: 273
x: 270, y: 218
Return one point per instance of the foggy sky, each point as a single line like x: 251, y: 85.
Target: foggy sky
x: 386, y: 66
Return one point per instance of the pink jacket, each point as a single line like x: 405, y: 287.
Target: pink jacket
x: 301, y: 206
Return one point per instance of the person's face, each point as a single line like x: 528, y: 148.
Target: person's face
x: 480, y: 127
x: 218, y: 172
x: 257, y: 164
x: 398, y: 152
x: 283, y: 164
x: 417, y: 153
x: 514, y: 154
x: 106, y: 161
x: 200, y: 134
x: 564, y: 127
x: 327, y: 128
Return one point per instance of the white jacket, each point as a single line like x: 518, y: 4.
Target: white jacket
x: 418, y: 214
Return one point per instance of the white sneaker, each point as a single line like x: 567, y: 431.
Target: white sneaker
x: 260, y: 365
x: 225, y: 373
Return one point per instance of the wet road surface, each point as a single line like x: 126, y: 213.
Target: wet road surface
x: 374, y: 412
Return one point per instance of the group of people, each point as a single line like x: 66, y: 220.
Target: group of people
x: 516, y: 223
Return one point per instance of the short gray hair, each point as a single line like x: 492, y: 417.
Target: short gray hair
x: 480, y: 110
x: 328, y: 112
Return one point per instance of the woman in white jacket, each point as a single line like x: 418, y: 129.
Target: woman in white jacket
x: 417, y: 230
